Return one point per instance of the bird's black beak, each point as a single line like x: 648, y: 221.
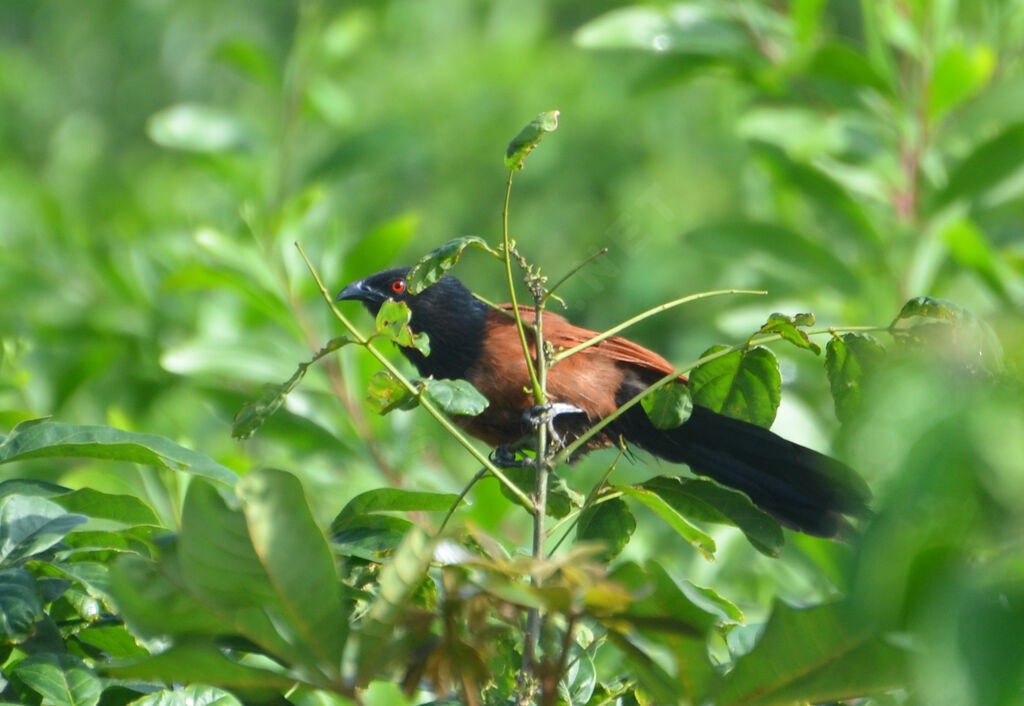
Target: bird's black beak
x: 357, y: 291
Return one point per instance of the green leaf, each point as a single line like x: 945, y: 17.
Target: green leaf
x: 385, y: 394
x: 369, y: 536
x: 55, y: 439
x: 949, y: 330
x: 196, y: 128
x: 668, y: 406
x: 607, y: 521
x: 399, y: 579
x: 744, y: 385
x: 529, y: 137
x: 990, y: 165
x: 114, y: 640
x: 20, y: 606
x: 434, y: 264
x: 126, y: 510
x: 282, y: 527
x: 393, y: 500
x: 699, y: 540
x: 848, y: 358
x: 681, y: 29
x: 189, y: 696
x: 252, y: 415
x: 707, y: 501
x: 62, y: 680
x: 662, y: 687
x: 787, y: 327
x: 393, y: 323
x: 958, y: 74
x: 30, y: 525
x: 813, y: 655
x: 205, y: 664
x: 969, y: 246
x: 456, y: 397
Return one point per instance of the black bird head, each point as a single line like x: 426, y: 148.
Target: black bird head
x: 446, y: 311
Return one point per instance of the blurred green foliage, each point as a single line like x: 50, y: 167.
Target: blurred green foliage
x: 158, y: 159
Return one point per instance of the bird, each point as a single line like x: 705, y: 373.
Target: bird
x: 471, y: 340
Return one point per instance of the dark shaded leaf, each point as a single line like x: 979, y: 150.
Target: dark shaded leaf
x: 529, y: 137
x: 455, y: 396
x: 369, y: 536
x: 743, y: 384
x: 55, y: 439
x: 848, y: 358
x: 609, y: 522
x: 434, y: 264
x: 561, y: 498
x: 668, y: 406
x: 20, y: 606
x: 205, y: 664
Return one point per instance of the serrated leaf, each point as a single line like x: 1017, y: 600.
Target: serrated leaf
x: 744, y: 385
x: 787, y: 327
x: 393, y: 323
x: 698, y: 539
x: 62, y: 680
x: 55, y: 439
x: 706, y: 501
x: 609, y: 522
x: 386, y: 394
x: 848, y: 358
x: 434, y: 264
x: 668, y: 406
x: 529, y: 137
x: 455, y: 396
x: 252, y: 415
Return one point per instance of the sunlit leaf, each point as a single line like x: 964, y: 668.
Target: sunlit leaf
x: 434, y: 264
x: 123, y: 509
x: 393, y: 323
x: 681, y: 28
x: 698, y: 539
x: 30, y: 525
x: 789, y: 328
x: 607, y: 521
x: 970, y: 247
x: 668, y: 406
x: 189, y: 696
x: 529, y: 137
x: 958, y: 74
x: 743, y: 384
x: 55, y: 439
x: 455, y: 396
x: 848, y: 358
x: 990, y: 164
x: 393, y: 500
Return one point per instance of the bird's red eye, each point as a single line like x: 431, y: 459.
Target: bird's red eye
x: 398, y: 286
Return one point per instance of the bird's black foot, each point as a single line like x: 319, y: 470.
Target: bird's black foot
x: 506, y: 456
x: 546, y: 414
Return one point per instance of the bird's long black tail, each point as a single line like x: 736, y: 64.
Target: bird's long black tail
x: 801, y: 488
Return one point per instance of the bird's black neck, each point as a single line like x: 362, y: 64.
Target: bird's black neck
x: 455, y: 321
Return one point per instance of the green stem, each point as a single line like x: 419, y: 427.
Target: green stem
x: 441, y: 418
x: 570, y: 273
x: 562, y: 355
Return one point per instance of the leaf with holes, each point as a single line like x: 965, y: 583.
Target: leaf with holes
x: 529, y: 137
x: 788, y: 327
x: 393, y: 323
x: 386, y: 394
x: 434, y: 264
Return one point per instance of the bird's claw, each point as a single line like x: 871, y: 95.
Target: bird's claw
x: 546, y: 414
x: 505, y: 456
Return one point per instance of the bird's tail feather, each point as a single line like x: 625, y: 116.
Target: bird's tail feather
x: 801, y: 488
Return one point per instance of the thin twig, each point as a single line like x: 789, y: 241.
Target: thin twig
x: 570, y: 273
